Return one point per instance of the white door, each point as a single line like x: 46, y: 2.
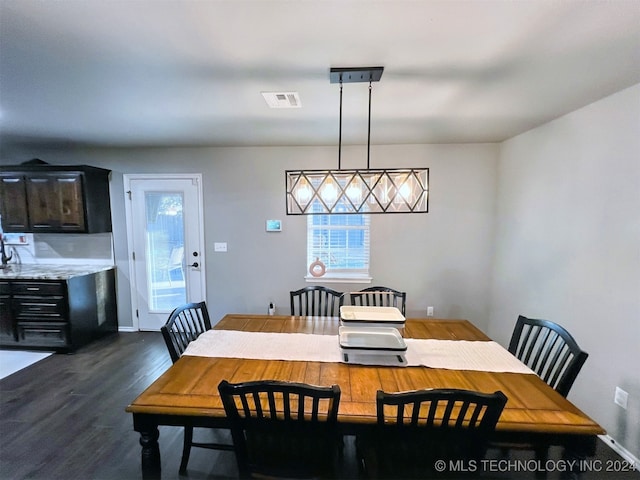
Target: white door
x: 164, y: 221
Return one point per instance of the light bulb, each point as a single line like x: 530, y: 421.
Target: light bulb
x: 329, y: 192
x: 354, y: 192
x: 405, y: 191
x: 303, y: 192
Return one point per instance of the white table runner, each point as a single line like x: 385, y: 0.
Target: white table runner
x: 449, y: 354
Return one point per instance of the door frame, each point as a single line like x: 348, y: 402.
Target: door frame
x: 133, y: 281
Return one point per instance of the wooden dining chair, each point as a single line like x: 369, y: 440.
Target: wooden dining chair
x: 554, y: 355
x: 417, y: 430
x: 380, y: 297
x: 549, y: 350
x: 316, y: 301
x: 185, y: 324
x: 283, y: 429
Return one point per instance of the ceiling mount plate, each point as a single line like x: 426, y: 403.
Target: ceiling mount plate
x: 356, y: 74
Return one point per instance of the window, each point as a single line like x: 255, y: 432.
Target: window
x: 341, y: 243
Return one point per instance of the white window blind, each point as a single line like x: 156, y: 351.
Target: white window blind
x: 341, y: 242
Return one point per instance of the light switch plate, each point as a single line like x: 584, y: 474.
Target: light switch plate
x: 621, y: 398
x: 220, y: 247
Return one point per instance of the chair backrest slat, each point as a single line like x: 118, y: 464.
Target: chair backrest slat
x: 549, y: 354
x: 477, y: 411
x: 462, y: 416
x: 558, y: 366
x: 542, y: 347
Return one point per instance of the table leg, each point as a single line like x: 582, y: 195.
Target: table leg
x: 573, y: 458
x: 150, y: 457
x: 576, y: 455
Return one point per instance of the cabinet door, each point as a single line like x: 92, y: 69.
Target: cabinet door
x: 7, y: 324
x: 13, y: 203
x: 71, y: 202
x: 56, y: 202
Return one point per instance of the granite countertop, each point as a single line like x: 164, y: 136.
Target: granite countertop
x: 48, y: 272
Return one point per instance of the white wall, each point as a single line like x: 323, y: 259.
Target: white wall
x: 568, y: 247
x: 442, y: 258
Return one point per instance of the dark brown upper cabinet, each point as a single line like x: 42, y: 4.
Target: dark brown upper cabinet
x: 55, y: 199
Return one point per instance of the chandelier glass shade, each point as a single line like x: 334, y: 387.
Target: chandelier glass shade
x: 343, y: 191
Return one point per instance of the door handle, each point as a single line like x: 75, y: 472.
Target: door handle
x: 195, y: 265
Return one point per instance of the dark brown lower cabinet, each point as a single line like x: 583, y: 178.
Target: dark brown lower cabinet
x: 59, y: 314
x: 8, y: 334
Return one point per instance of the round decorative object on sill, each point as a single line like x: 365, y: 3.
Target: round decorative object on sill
x: 317, y: 268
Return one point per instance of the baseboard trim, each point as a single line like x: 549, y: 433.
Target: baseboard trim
x: 127, y: 329
x: 620, y: 450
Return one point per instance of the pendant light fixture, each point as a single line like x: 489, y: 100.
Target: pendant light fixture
x: 390, y: 190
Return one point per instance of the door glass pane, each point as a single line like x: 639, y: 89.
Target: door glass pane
x: 165, y: 251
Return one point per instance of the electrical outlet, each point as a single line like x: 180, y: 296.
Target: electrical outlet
x: 429, y: 311
x: 621, y: 397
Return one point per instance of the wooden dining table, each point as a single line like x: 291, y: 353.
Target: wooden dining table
x: 187, y: 393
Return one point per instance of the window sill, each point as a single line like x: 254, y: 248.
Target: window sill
x: 341, y: 278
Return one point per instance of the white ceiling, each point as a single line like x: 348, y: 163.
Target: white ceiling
x: 169, y: 72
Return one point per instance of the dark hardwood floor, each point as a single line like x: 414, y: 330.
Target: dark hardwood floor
x: 64, y: 418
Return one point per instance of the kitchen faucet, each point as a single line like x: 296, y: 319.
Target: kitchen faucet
x: 5, y: 258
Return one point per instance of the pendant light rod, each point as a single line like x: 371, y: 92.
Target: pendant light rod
x: 340, y: 135
x: 369, y: 128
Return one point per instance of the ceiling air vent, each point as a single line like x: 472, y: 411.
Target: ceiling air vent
x: 282, y: 99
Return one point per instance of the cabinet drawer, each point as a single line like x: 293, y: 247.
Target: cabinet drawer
x: 37, y: 288
x: 51, y: 308
x: 42, y: 334
x: 5, y: 289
